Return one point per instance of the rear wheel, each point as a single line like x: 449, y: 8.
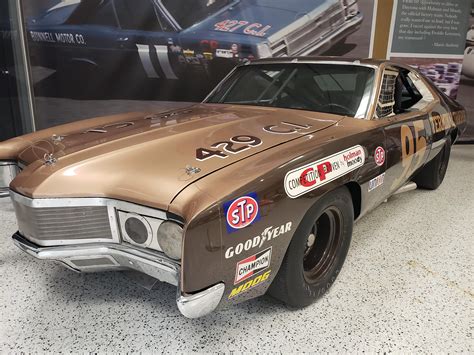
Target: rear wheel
x: 432, y: 174
x: 317, y: 251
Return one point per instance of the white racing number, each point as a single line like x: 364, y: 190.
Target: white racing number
x: 145, y: 52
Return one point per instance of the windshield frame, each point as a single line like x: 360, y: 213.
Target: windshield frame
x: 177, y: 25
x: 367, y: 99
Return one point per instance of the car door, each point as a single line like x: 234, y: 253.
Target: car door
x: 404, y: 105
x: 149, y: 42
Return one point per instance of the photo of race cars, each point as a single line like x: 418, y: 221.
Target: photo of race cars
x: 151, y: 50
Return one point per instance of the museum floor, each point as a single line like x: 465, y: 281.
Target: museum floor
x: 407, y: 285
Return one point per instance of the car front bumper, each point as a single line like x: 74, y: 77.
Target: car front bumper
x: 96, y: 257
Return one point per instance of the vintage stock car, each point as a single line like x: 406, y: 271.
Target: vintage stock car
x: 156, y: 39
x: 256, y: 189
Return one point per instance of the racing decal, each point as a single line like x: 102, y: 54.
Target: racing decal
x: 235, y: 145
x: 224, y: 53
x: 413, y: 150
x: 459, y: 117
x: 316, y: 174
x: 379, y: 156
x: 252, y: 29
x: 286, y: 128
x: 253, y: 265
x: 65, y: 38
x: 440, y: 123
x: 145, y: 53
x: 257, y: 242
x: 376, y: 182
x: 250, y: 284
x: 241, y: 212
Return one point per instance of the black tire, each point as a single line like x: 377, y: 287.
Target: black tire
x: 311, y: 265
x: 432, y: 174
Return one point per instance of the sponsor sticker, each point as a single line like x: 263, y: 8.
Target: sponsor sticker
x: 241, y: 212
x: 224, y: 53
x: 250, y: 284
x: 316, y: 174
x: 379, y: 156
x: 257, y: 242
x: 376, y: 182
x: 253, y: 265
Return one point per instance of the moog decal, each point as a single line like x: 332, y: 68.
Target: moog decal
x: 257, y: 242
x: 241, y: 212
x: 316, y: 174
x: 253, y: 265
x: 250, y: 284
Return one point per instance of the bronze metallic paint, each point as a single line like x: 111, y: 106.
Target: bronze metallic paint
x: 144, y: 161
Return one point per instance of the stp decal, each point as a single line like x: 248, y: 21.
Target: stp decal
x: 316, y: 174
x: 253, y: 265
x: 379, y: 156
x: 241, y: 212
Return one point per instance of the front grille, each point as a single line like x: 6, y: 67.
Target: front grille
x: 313, y: 31
x: 49, y: 224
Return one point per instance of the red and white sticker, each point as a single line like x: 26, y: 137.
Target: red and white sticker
x: 379, y: 156
x: 316, y: 174
x: 241, y: 212
x: 253, y: 265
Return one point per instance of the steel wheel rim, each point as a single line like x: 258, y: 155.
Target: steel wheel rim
x: 319, y: 256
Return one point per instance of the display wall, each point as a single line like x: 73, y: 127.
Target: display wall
x: 92, y: 58
x: 98, y: 57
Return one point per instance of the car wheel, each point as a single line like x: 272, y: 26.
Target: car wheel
x: 432, y: 174
x: 317, y: 252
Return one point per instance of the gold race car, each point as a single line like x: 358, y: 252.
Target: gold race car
x: 254, y: 190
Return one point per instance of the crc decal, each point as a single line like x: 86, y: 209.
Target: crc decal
x: 235, y: 145
x: 379, y: 156
x: 241, y: 212
x: 268, y: 234
x: 253, y: 265
x: 286, y: 128
x: 413, y: 142
x: 316, y: 174
x: 251, y: 29
x: 250, y: 284
x: 376, y: 182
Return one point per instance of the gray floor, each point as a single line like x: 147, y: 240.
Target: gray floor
x: 407, y: 285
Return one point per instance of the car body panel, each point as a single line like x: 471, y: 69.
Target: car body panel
x: 146, y: 162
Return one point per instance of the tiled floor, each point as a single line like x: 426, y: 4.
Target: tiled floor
x: 407, y: 285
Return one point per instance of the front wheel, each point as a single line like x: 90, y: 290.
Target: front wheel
x: 317, y: 252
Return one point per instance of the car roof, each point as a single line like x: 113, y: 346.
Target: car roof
x: 319, y: 59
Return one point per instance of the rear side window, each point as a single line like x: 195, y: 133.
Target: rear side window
x: 386, y: 101
x: 139, y: 15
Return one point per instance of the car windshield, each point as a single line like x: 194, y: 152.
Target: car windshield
x: 196, y: 10
x: 332, y: 88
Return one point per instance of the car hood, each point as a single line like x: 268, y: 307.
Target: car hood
x: 143, y: 159
x: 276, y: 14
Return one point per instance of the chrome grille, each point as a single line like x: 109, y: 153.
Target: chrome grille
x: 47, y: 224
x: 296, y: 41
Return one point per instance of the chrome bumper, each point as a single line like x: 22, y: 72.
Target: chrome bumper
x: 330, y: 40
x: 8, y: 171
x: 109, y: 257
